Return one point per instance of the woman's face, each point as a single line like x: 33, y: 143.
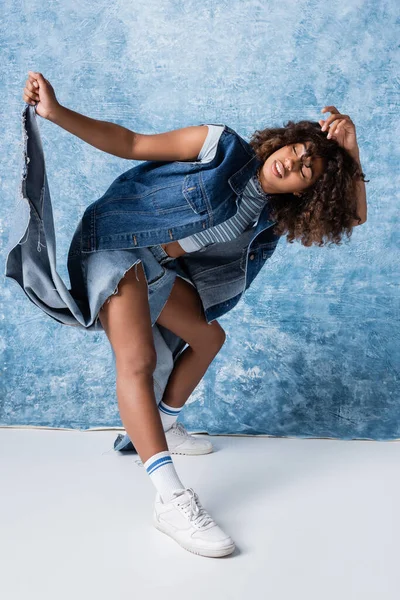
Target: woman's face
x: 286, y: 171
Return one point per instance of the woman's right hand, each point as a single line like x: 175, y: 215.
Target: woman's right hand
x: 174, y: 249
x: 39, y: 90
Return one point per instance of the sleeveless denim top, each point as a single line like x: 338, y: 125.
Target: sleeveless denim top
x: 251, y: 203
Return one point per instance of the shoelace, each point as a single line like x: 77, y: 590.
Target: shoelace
x: 195, y: 510
x: 179, y: 429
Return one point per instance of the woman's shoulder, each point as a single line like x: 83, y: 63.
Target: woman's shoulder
x: 215, y: 130
x: 209, y: 147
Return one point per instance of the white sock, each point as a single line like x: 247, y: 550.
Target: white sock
x: 168, y: 414
x: 162, y: 472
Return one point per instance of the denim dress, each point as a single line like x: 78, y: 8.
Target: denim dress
x: 95, y: 277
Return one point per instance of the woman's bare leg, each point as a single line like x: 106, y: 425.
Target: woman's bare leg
x: 183, y: 315
x: 126, y: 321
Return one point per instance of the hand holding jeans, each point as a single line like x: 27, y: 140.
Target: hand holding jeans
x: 39, y: 90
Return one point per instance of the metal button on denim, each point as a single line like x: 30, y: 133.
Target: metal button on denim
x: 251, y: 257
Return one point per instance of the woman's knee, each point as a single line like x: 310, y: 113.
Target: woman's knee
x: 210, y: 338
x: 138, y: 364
x: 218, y: 333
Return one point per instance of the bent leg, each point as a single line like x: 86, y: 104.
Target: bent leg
x: 125, y: 318
x: 183, y: 315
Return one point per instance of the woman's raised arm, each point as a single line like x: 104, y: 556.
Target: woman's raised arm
x: 178, y: 144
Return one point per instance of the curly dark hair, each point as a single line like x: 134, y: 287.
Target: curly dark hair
x: 327, y: 208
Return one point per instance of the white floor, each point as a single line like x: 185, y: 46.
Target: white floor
x: 312, y: 519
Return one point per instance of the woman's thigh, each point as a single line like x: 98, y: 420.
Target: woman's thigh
x: 125, y: 317
x: 183, y: 314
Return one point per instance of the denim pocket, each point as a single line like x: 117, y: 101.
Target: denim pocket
x: 193, y: 193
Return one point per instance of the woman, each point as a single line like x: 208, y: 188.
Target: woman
x: 307, y: 183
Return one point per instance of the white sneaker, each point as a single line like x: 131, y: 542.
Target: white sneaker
x: 185, y: 520
x: 179, y: 441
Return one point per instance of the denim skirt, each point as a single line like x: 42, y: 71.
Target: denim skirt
x: 95, y: 276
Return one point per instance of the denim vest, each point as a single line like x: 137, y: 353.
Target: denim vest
x: 158, y: 202
x: 152, y: 203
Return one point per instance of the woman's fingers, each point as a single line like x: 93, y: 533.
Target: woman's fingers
x: 30, y: 92
x: 32, y: 80
x: 334, y: 129
x: 28, y: 96
x: 31, y: 87
x: 334, y: 115
x: 333, y: 118
x: 331, y: 109
x: 342, y: 127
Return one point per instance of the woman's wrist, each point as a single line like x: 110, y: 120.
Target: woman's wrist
x: 54, y: 114
x: 355, y: 153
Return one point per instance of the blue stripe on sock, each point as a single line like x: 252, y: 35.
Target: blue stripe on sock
x: 168, y: 410
x: 158, y: 463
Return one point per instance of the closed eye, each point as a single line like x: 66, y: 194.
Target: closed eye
x: 302, y: 174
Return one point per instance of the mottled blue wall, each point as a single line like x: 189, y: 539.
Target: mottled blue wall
x: 312, y: 349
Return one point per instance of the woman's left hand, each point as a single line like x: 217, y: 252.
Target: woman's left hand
x: 342, y: 129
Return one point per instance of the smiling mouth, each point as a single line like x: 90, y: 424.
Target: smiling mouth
x: 275, y: 169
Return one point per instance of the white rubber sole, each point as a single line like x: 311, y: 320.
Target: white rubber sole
x: 194, y: 452
x: 209, y: 552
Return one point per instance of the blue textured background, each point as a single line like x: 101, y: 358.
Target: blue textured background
x: 312, y: 349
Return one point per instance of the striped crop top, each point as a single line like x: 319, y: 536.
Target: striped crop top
x: 251, y: 203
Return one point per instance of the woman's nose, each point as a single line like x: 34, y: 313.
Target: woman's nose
x: 291, y: 164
